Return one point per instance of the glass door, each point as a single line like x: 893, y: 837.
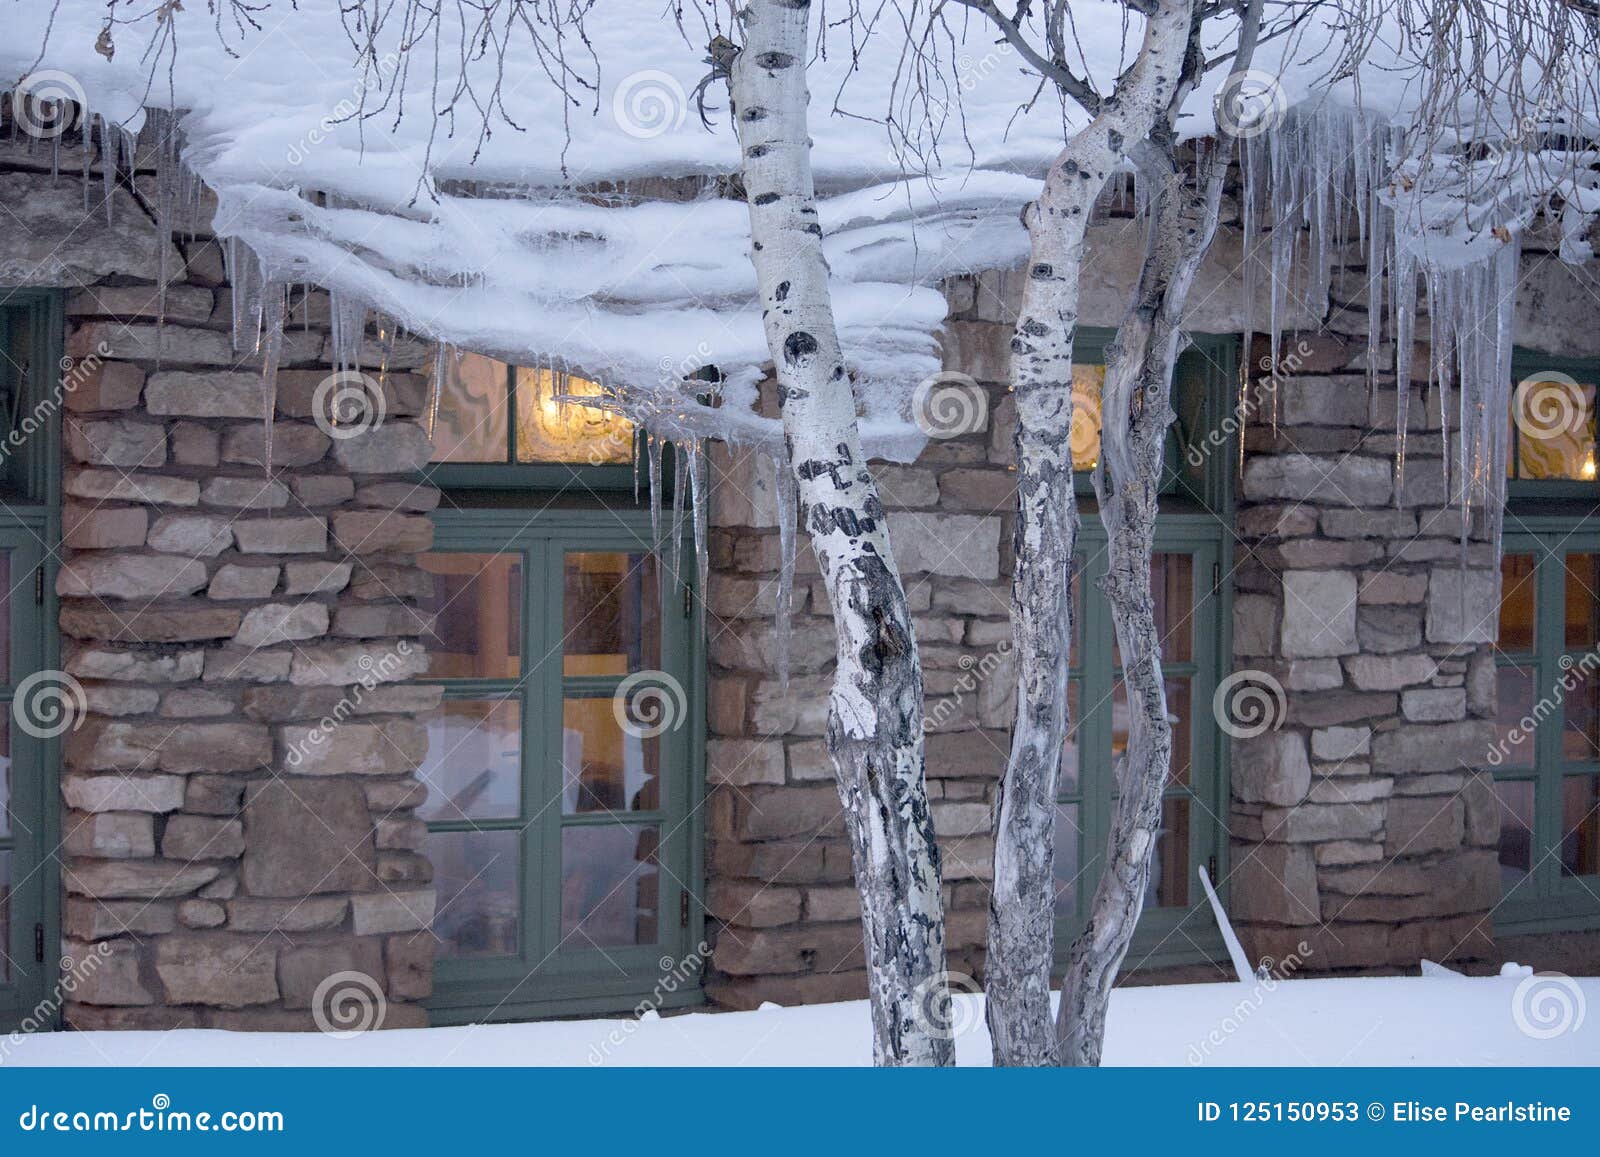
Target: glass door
x: 560, y: 766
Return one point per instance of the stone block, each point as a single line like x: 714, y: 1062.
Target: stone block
x: 242, y: 582
x: 253, y: 493
x: 390, y: 448
x: 307, y: 837
x: 217, y: 969
x: 202, y: 838
x: 180, y: 393
x: 1271, y: 768
x: 120, y: 486
x: 308, y: 914
x: 1319, y: 614
x: 1438, y: 747
x: 1341, y: 743
x: 150, y: 879
x: 282, y: 535
x: 1420, y: 824
x: 744, y: 762
x: 959, y: 545
x: 1276, y: 883
x: 179, y: 748
x: 123, y: 793
x: 103, y: 527
x: 105, y: 973
x: 294, y: 444
x: 191, y: 535
x: 322, y: 666
x: 1389, y: 587
x: 1434, y: 704
x: 309, y: 578
x: 129, y: 576
x: 148, y: 624
x: 374, y: 913
x: 1462, y: 607
x: 103, y: 386
x: 1347, y: 480
x: 1389, y: 672
x: 1313, y: 823
x: 303, y: 970
x: 282, y: 623
x: 381, y: 531
x: 109, y: 835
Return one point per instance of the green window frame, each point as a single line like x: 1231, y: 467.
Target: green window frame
x: 32, y: 323
x: 551, y: 972
x: 1195, y: 524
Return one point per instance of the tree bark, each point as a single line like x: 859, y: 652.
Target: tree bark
x: 1136, y: 409
x: 875, y: 710
x: 1022, y: 901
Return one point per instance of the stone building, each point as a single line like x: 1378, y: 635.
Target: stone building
x: 346, y: 699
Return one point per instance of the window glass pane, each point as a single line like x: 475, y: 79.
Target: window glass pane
x: 5, y: 917
x: 610, y: 623
x: 480, y: 903
x: 472, y: 411
x: 549, y: 430
x: 1580, y: 826
x: 604, y: 767
x: 610, y: 893
x: 6, y: 825
x: 1553, y: 427
x: 1177, y: 704
x: 1067, y: 869
x: 1169, y: 874
x: 5, y: 617
x: 1088, y: 382
x: 1517, y: 594
x: 1076, y: 594
x: 1513, y: 741
x: 1172, y: 585
x: 1580, y: 737
x: 1516, y: 830
x: 473, y: 768
x: 477, y: 604
x: 1069, y: 749
x: 1583, y: 600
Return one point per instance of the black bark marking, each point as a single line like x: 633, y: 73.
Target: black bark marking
x: 1042, y: 271
x: 774, y: 60
x: 764, y: 198
x: 782, y: 292
x: 797, y: 345
x: 751, y: 115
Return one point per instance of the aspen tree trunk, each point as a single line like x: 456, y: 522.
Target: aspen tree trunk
x: 1022, y: 902
x: 1136, y: 409
x: 875, y: 717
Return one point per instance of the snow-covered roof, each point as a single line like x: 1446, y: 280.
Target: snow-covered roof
x: 631, y: 294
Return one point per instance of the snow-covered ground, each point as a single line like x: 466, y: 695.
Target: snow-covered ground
x: 1513, y: 1019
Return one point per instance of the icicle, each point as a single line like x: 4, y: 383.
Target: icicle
x: 679, y: 477
x: 653, y: 449
x: 272, y: 352
x: 108, y: 166
x: 1250, y: 223
x: 788, y: 509
x: 349, y: 328
x: 635, y: 443
x: 436, y: 393
x: 1403, y: 294
x: 698, y: 501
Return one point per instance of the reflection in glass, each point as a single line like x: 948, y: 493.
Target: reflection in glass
x: 6, y: 826
x: 1069, y: 749
x: 5, y: 917
x: 610, y: 888
x: 1580, y: 732
x: 476, y: 877
x: 1516, y: 831
x: 477, y: 608
x: 1583, y: 600
x: 1088, y: 383
x: 549, y: 430
x: 1518, y: 590
x: 5, y: 616
x: 1553, y: 429
x: 473, y: 769
x: 1169, y: 875
x: 610, y: 623
x: 1580, y: 826
x: 1172, y: 587
x: 472, y: 410
x: 605, y: 768
x: 1513, y: 739
x: 1067, y: 868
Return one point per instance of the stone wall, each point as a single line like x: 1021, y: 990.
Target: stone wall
x: 238, y: 799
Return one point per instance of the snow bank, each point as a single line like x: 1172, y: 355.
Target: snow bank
x: 1448, y: 1020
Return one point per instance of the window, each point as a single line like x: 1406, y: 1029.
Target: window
x: 1552, y: 428
x: 1190, y: 553
x: 560, y: 774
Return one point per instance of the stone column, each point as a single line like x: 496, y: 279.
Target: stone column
x: 239, y: 837
x: 1362, y: 822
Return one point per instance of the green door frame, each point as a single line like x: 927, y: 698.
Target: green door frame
x: 30, y: 523
x: 541, y: 980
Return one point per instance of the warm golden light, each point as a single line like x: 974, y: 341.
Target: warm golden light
x: 551, y: 430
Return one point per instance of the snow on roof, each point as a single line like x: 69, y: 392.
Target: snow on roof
x: 630, y: 294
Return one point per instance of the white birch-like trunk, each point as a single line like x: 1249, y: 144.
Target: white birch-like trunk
x: 1022, y: 902
x: 875, y: 718
x: 1136, y: 409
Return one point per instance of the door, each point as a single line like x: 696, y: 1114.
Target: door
x: 560, y: 772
